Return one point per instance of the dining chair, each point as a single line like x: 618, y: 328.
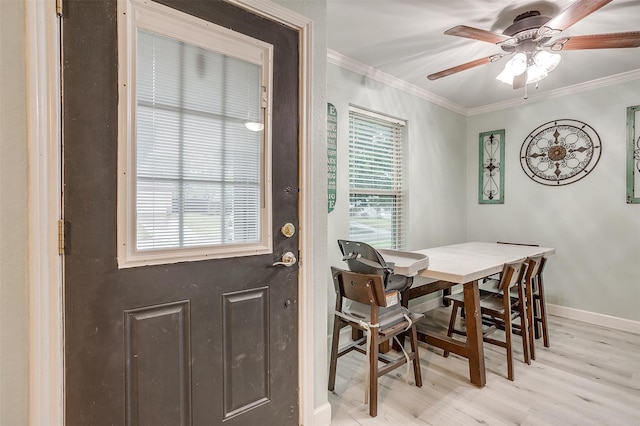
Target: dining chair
x: 500, y: 310
x: 535, y: 305
x: 539, y: 305
x: 362, y: 303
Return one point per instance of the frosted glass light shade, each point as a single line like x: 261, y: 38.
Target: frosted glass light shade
x: 542, y: 63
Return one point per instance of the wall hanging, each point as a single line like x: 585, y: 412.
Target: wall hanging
x: 560, y: 152
x: 332, y: 155
x: 633, y: 155
x: 491, y: 178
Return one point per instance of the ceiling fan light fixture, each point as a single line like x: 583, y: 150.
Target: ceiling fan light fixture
x: 540, y: 66
x: 515, y: 66
x: 546, y: 60
x: 543, y: 63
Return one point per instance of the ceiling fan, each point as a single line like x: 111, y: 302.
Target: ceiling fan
x: 529, y: 40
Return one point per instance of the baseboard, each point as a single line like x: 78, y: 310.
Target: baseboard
x: 322, y: 415
x: 615, y: 323
x: 595, y: 318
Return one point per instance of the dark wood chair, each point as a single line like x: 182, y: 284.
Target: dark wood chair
x: 500, y: 310
x: 534, y: 300
x: 539, y: 310
x: 537, y: 303
x: 363, y: 304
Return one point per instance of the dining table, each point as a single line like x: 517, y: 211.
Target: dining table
x: 466, y: 264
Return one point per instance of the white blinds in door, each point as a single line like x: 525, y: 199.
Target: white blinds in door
x: 198, y: 166
x: 194, y: 150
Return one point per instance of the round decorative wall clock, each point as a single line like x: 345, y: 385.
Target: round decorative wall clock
x: 560, y: 152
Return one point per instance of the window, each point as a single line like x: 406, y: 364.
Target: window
x: 195, y: 160
x: 375, y: 179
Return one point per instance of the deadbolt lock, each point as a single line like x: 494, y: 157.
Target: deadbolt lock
x: 288, y: 230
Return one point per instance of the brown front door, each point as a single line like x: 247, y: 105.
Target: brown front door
x: 198, y: 342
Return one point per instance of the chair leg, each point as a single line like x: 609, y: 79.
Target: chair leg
x: 417, y: 373
x: 373, y: 374
x: 335, y: 341
x: 530, y: 319
x: 525, y: 332
x: 536, y: 313
x: 509, y: 347
x: 543, y: 314
x: 452, y: 321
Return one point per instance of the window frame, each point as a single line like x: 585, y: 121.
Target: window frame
x: 156, y: 18
x: 397, y: 164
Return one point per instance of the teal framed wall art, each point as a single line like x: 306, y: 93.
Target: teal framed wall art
x: 491, y: 167
x: 633, y: 154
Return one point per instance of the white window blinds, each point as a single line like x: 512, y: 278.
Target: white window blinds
x: 198, y: 168
x: 375, y: 179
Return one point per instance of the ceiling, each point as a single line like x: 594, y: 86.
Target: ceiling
x: 405, y: 39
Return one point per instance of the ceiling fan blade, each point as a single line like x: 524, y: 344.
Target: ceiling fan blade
x: 476, y: 34
x: 574, y: 13
x: 519, y: 81
x: 598, y: 41
x: 465, y: 66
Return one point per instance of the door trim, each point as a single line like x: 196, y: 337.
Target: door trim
x: 45, y: 281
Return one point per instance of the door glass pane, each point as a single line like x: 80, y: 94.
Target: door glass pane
x: 198, y: 166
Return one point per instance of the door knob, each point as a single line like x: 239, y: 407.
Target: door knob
x: 288, y: 259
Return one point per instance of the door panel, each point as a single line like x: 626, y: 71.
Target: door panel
x: 188, y: 343
x: 157, y: 350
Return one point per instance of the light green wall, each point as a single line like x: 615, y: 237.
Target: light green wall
x: 596, y: 268
x: 596, y: 234
x: 435, y: 168
x: 14, y: 322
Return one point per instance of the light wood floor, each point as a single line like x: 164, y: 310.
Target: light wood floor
x: 589, y: 376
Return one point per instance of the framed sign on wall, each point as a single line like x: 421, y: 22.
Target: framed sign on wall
x: 332, y: 156
x: 491, y: 168
x: 633, y: 154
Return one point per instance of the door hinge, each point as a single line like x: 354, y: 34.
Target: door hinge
x: 263, y: 97
x: 58, y: 7
x: 60, y: 236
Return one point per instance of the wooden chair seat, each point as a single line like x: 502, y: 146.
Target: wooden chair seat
x: 489, y: 301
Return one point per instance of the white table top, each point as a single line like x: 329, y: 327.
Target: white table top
x: 462, y: 263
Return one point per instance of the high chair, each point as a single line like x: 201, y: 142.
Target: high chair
x: 363, y: 304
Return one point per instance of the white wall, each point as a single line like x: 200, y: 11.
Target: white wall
x: 13, y: 218
x: 436, y: 173
x: 596, y: 234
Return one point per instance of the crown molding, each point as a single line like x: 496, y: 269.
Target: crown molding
x: 557, y: 93
x: 347, y: 63
x: 350, y: 64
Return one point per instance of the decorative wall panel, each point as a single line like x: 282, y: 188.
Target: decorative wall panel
x: 633, y: 155
x: 491, y: 168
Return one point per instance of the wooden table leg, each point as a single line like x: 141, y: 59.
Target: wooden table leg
x: 473, y: 320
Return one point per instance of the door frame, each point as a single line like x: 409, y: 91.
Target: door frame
x: 45, y: 274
